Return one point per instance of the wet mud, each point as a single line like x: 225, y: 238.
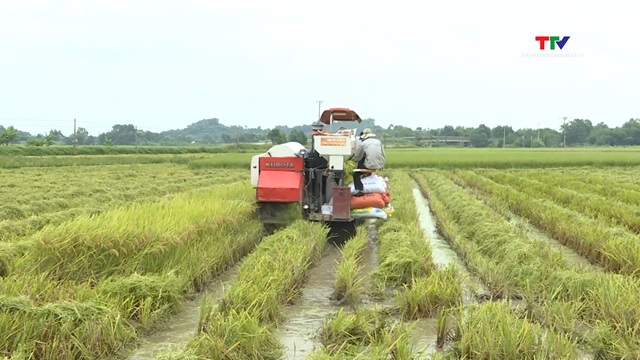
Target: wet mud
x: 182, y: 327
x: 442, y: 253
x: 305, y: 316
x: 424, y: 335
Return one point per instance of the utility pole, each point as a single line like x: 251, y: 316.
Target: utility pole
x: 319, y: 103
x: 564, y: 132
x: 136, y: 139
x: 504, y: 137
x: 538, y: 131
x: 75, y: 138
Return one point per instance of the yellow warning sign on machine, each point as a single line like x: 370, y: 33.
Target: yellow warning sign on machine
x: 333, y: 141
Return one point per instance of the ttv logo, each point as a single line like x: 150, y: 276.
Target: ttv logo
x: 553, y: 41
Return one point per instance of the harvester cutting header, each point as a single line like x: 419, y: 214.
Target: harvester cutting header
x: 319, y: 179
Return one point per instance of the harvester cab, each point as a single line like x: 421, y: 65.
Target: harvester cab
x: 292, y: 181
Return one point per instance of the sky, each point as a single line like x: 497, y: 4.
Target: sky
x: 163, y: 65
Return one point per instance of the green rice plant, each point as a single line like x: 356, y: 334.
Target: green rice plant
x: 615, y: 249
x: 235, y: 336
x: 143, y: 238
x: 9, y: 252
x: 272, y: 274
x: 426, y: 296
x: 368, y: 333
x: 143, y: 298
x: 539, y: 272
x: 19, y: 161
x: 64, y: 193
x: 239, y: 155
x: 483, y: 237
x: 594, y: 206
x: 471, y: 158
x: 349, y: 285
x: 61, y: 330
x: 595, y: 181
x: 491, y: 331
x: 243, y: 324
x: 194, y: 252
x: 406, y: 262
x: 625, y: 178
x: 95, y: 150
x: 404, y: 255
x: 403, y: 251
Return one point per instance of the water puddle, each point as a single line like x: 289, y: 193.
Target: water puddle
x: 306, y: 315
x: 442, y: 253
x: 183, y: 326
x: 424, y: 335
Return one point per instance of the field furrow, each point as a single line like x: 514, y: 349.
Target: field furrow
x: 613, y: 248
x: 406, y: 270
x: 349, y: 287
x: 522, y: 225
x: 243, y: 325
x: 595, y: 206
x: 593, y: 308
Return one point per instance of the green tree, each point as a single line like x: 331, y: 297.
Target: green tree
x: 9, y: 136
x: 577, y: 131
x: 298, y: 136
x: 276, y: 137
x: 35, y: 142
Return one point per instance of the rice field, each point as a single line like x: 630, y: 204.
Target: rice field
x: 127, y: 261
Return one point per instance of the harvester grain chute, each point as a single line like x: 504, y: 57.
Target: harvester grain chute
x: 294, y: 182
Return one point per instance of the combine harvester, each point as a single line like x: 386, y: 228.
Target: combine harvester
x: 293, y: 182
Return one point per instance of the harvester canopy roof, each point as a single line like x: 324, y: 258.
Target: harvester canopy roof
x: 339, y: 114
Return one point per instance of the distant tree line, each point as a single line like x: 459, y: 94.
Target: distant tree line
x: 578, y: 132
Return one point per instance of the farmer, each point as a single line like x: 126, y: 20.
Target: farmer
x: 369, y: 155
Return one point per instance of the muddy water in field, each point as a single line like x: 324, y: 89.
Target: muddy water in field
x: 424, y: 335
x: 442, y: 252
x: 370, y: 253
x: 304, y: 318
x: 180, y: 328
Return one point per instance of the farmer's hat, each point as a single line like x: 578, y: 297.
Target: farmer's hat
x: 366, y: 133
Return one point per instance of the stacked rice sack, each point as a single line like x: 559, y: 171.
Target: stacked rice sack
x: 376, y: 201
